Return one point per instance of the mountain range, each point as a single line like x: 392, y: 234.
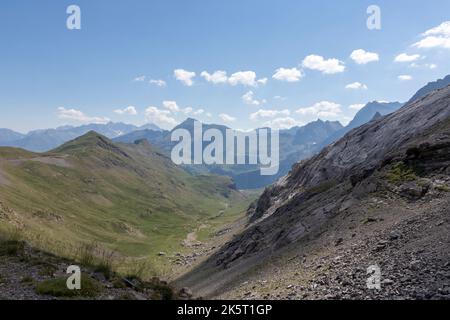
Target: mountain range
x: 126, y: 197
x: 47, y: 139
x: 376, y: 199
x: 296, y: 144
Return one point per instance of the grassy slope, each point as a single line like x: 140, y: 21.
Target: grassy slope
x: 128, y: 198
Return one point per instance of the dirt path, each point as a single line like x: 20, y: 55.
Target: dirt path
x: 191, y: 239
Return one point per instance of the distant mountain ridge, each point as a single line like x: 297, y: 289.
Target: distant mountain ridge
x: 366, y: 114
x: 47, y: 139
x: 295, y: 144
x: 7, y: 136
x: 431, y: 86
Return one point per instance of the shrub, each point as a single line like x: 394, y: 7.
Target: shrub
x: 58, y: 288
x: 401, y: 173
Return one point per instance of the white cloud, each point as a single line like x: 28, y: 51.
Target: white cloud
x: 190, y: 110
x: 209, y: 115
x: 326, y: 66
x: 128, y: 111
x: 405, y: 77
x: 261, y: 114
x: 437, y: 37
x: 216, y: 78
x: 161, y: 118
x: 184, y: 76
x: 187, y: 110
x: 433, y: 42
x: 282, y: 123
x: 140, y: 79
x: 356, y: 86
x: 246, y: 78
x: 159, y: 83
x: 78, y: 116
x: 403, y: 57
x: 249, y: 99
x: 226, y: 118
x: 345, y: 120
x: 288, y: 75
x: 357, y: 106
x: 430, y: 66
x: 280, y: 98
x: 323, y: 109
x: 262, y: 81
x: 442, y: 30
x: 172, y: 106
x: 361, y: 56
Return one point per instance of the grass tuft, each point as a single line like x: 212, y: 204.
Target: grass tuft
x: 58, y: 288
x: 401, y: 173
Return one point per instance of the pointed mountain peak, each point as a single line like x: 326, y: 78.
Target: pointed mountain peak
x: 88, y: 142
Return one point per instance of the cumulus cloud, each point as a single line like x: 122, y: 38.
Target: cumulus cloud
x: 404, y: 57
x: 140, y: 79
x: 246, y: 78
x: 216, y: 77
x: 199, y: 112
x: 430, y: 66
x: 184, y: 76
x: 323, y: 109
x: 249, y: 99
x: 356, y: 86
x: 159, y: 83
x: 172, y: 106
x: 127, y: 111
x: 357, y: 106
x: 405, y: 77
x: 226, y: 118
x: 78, y: 116
x: 288, y: 75
x: 437, y: 37
x: 261, y: 114
x: 190, y: 110
x: 262, y: 81
x: 187, y: 110
x: 362, y: 56
x: 161, y: 118
x: 282, y: 123
x: 326, y: 66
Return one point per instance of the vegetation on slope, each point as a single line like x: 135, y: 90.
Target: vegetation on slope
x: 126, y: 198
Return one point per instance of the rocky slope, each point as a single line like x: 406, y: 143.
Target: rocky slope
x: 30, y: 274
x: 388, y: 176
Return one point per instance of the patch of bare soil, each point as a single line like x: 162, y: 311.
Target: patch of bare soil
x: 51, y: 160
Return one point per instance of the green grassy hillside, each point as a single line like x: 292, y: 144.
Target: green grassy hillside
x: 126, y: 197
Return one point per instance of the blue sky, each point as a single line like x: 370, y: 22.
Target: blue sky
x: 51, y: 76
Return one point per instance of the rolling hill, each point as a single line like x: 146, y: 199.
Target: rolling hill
x: 47, y: 139
x: 125, y: 197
